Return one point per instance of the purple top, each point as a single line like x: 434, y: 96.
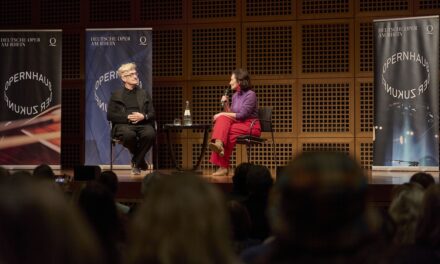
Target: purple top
x: 244, y: 104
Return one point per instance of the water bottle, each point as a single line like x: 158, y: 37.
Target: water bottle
x: 187, y: 120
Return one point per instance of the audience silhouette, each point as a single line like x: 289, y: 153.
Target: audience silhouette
x: 182, y: 220
x: 38, y: 225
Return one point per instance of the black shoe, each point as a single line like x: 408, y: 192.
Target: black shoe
x: 143, y: 165
x: 135, y: 171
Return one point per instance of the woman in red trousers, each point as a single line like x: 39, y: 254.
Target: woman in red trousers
x: 234, y: 121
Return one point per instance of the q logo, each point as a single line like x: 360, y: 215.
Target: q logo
x: 429, y: 29
x: 53, y: 42
x: 143, y: 41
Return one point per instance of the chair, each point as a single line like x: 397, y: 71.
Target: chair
x: 115, y: 140
x: 265, y: 117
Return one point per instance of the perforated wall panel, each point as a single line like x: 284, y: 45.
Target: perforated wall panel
x: 383, y: 8
x: 167, y: 101
x: 110, y: 11
x: 214, y: 10
x: 364, y: 107
x: 71, y: 56
x: 165, y: 161
x: 269, y: 49
x: 364, y: 48
x: 60, y: 11
x: 214, y: 50
x: 326, y: 108
x: 364, y: 152
x: 264, y: 10
x: 285, y: 149
x: 308, y: 9
x: 205, y: 101
x: 281, y: 96
x: 169, y: 56
x: 71, y: 114
x: 15, y: 12
x: 320, y: 144
x: 71, y: 153
x: 326, y: 48
x: 427, y: 7
x: 161, y: 11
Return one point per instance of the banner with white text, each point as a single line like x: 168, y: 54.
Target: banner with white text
x: 106, y: 50
x: 406, y: 105
x: 30, y: 109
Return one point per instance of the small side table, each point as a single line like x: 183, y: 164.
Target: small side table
x: 168, y: 127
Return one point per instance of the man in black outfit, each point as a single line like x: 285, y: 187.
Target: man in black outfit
x: 132, y: 114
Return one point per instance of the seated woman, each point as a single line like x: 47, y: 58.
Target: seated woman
x: 235, y: 120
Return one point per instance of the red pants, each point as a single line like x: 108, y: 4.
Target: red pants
x: 227, y: 130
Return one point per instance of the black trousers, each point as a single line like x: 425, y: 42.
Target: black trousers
x: 138, y: 139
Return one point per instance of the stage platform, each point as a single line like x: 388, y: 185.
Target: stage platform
x: 381, y: 183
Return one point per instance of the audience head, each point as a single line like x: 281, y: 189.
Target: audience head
x: 243, y: 79
x: 239, y: 178
x: 98, y: 206
x: 21, y: 177
x: 44, y: 172
x: 240, y: 220
x: 422, y: 178
x: 319, y: 201
x: 110, y: 180
x: 259, y: 181
x: 182, y: 220
x: 428, y: 226
x: 37, y: 225
x: 4, y: 175
x: 150, y: 180
x: 405, y: 210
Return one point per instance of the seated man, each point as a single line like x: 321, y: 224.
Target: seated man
x: 132, y: 114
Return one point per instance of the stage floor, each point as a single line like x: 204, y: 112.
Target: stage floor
x: 381, y: 183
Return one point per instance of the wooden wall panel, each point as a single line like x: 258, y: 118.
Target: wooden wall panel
x: 326, y: 48
x: 170, y: 57
x: 318, y: 9
x: 72, y: 55
x: 55, y: 12
x: 364, y: 43
x: 388, y: 8
x: 426, y: 7
x: 110, y: 11
x: 168, y: 98
x: 153, y: 12
x: 345, y: 145
x: 282, y: 96
x: 15, y: 13
x: 326, y: 108
x: 285, y: 150
x: 268, y: 10
x: 269, y: 49
x: 214, y: 11
x: 364, y: 152
x: 364, y: 116
x: 214, y: 50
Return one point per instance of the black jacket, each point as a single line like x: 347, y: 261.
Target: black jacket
x: 116, y: 107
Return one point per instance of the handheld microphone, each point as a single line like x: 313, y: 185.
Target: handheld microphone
x: 226, y: 93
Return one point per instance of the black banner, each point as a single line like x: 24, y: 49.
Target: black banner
x: 30, y: 109
x: 406, y: 92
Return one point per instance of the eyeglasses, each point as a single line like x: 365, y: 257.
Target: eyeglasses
x: 131, y: 74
